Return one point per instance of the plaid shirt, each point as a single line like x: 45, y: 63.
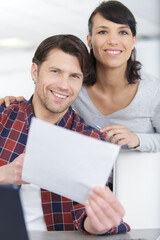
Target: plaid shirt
x: 60, y: 213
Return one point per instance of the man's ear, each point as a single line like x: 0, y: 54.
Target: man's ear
x: 34, y: 72
x: 89, y: 41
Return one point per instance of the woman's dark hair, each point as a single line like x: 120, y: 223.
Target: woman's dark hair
x: 69, y: 44
x: 116, y: 12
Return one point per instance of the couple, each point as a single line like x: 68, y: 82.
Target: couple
x: 60, y: 66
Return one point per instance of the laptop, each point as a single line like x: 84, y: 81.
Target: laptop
x: 12, y: 224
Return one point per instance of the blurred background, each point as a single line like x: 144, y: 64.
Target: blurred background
x: 25, y: 23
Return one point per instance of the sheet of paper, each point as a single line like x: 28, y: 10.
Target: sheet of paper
x: 65, y: 162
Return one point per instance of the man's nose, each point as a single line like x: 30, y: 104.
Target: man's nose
x: 64, y: 82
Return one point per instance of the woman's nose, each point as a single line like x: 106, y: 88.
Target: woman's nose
x: 112, y: 38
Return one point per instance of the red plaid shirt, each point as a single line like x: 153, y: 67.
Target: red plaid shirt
x: 60, y: 213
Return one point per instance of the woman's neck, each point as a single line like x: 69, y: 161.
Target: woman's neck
x: 111, y: 78
x: 111, y: 92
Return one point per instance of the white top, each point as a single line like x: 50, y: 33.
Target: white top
x: 31, y: 202
x: 158, y: 238
x: 141, y: 116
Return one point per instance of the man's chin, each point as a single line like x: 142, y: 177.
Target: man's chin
x: 58, y: 110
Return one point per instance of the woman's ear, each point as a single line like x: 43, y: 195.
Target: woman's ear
x: 89, y: 41
x: 134, y: 42
x: 34, y: 72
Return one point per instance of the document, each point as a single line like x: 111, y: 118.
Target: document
x: 66, y: 162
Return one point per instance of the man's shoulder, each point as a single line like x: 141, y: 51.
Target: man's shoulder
x: 12, y: 111
x: 80, y: 126
x: 13, y: 107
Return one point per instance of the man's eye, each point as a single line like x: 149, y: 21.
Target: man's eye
x: 54, y: 71
x: 75, y: 76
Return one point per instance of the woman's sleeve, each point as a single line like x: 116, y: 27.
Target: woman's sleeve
x: 150, y: 142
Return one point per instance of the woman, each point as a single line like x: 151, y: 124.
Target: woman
x: 118, y: 96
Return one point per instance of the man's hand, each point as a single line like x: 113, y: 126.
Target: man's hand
x: 12, y: 172
x: 11, y: 99
x: 103, y: 211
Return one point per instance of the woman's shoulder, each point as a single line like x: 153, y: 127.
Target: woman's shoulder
x: 150, y: 79
x: 82, y: 96
x: 149, y: 83
x: 83, y: 90
x: 149, y: 87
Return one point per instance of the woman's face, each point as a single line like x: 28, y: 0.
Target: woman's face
x: 111, y: 43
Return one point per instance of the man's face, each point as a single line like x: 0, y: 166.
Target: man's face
x: 58, y: 81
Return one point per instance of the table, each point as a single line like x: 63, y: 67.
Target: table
x: 147, y: 234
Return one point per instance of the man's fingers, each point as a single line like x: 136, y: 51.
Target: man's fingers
x: 97, y: 218
x: 109, y: 197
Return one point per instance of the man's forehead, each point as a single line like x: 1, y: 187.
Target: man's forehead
x: 57, y: 53
x: 61, y: 60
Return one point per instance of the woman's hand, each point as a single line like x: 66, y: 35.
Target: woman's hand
x: 103, y: 210
x: 120, y: 135
x: 11, y: 99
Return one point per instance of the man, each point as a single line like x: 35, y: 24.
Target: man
x: 59, y: 66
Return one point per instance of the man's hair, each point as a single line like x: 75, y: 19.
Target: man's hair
x: 116, y: 12
x: 69, y: 44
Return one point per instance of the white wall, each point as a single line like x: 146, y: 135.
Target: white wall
x: 15, y: 74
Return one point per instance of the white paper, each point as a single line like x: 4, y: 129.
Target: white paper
x: 65, y: 162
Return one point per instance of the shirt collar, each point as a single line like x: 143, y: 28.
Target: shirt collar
x: 29, y: 112
x: 67, y: 120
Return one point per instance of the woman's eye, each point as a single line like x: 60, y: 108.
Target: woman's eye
x: 102, y: 32
x: 123, y: 32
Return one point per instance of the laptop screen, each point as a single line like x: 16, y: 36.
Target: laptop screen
x: 12, y: 225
